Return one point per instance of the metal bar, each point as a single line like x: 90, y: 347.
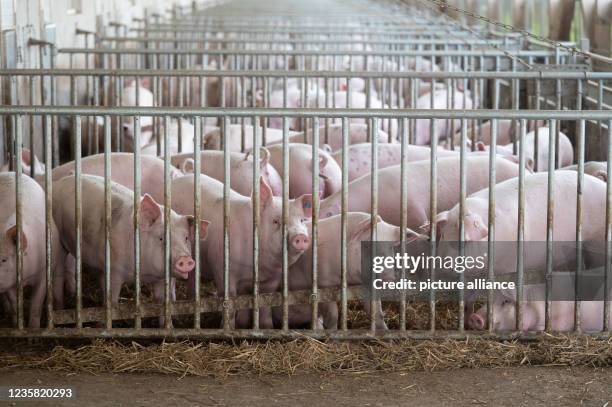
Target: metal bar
x: 521, y: 226
x: 19, y: 218
x: 590, y: 115
x: 78, y: 207
x: 285, y: 215
x: 256, y: 221
x: 344, y: 225
x: 550, y: 207
x: 197, y: 207
x: 107, y: 216
x: 226, y: 226
x: 403, y: 213
x: 167, y: 229
x: 314, y: 241
x: 137, y: 194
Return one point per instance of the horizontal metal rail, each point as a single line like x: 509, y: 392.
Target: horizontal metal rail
x: 441, y: 75
x: 596, y: 115
x: 430, y: 53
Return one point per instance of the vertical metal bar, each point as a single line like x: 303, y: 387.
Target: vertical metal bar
x: 403, y: 213
x: 226, y: 224
x: 19, y: 218
x: 462, y: 197
x: 374, y: 208
x: 197, y: 203
x: 608, y: 256
x: 550, y: 207
x: 491, y: 222
x: 433, y: 210
x: 79, y: 223
x: 256, y: 221
x: 137, y: 194
x: 579, y: 217
x: 285, y: 271
x: 521, y: 226
x: 47, y: 123
x: 167, y: 228
x: 315, y: 221
x: 344, y: 224
x: 107, y: 217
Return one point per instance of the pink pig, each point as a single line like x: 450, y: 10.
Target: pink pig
x: 32, y: 245
x: 417, y: 178
x: 300, y: 169
x: 562, y: 313
x: 241, y: 169
x: 329, y: 266
x: 241, y: 235
x: 122, y: 233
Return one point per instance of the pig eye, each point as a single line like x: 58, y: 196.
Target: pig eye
x: 304, y: 220
x: 277, y: 222
x: 506, y: 302
x: 4, y: 260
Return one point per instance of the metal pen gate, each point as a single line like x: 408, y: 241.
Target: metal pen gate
x: 505, y: 74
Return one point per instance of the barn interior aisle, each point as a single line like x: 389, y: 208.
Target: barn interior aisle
x: 321, y: 188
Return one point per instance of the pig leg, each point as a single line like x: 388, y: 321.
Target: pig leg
x: 158, y: 296
x: 11, y: 297
x: 265, y: 318
x: 36, y: 303
x: 379, y: 315
x: 70, y: 274
x: 243, y: 318
x: 59, y: 279
x: 328, y: 314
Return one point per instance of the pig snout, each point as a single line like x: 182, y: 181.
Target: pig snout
x: 475, y: 321
x: 300, y: 242
x: 184, y: 265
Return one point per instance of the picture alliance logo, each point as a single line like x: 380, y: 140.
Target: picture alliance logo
x: 404, y: 261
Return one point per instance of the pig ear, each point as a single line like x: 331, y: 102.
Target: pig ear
x: 11, y: 234
x: 265, y: 192
x: 322, y: 161
x: 363, y: 227
x: 602, y: 175
x: 529, y: 164
x: 327, y: 148
x: 307, y: 204
x: 480, y: 146
x: 411, y: 236
x: 188, y: 166
x: 150, y: 212
x: 441, y: 221
x: 26, y: 158
x: 203, y: 228
x: 475, y: 229
x: 264, y: 157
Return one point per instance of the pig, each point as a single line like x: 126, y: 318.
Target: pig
x: 152, y: 237
x: 598, y: 169
x: 179, y: 129
x: 358, y: 133
x: 212, y: 139
x: 562, y: 314
x: 483, y: 133
x: 418, y: 188
x: 241, y: 235
x: 360, y: 162
x: 565, y: 153
x: 506, y: 220
x: 359, y: 100
x: 440, y: 101
x: 241, y: 169
x: 300, y: 169
x: 144, y: 98
x: 295, y: 95
x: 359, y: 226
x: 29, y: 164
x: 33, y: 244
x: 122, y: 172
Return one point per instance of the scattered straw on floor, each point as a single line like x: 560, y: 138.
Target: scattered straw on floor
x: 311, y: 356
